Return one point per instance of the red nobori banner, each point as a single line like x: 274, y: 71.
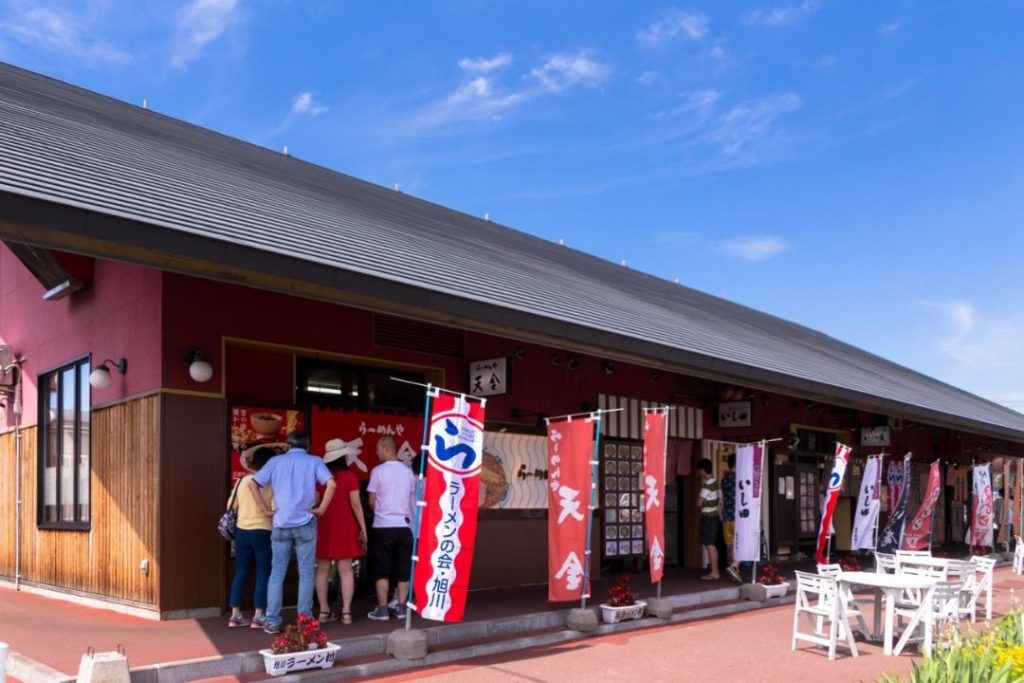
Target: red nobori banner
x: 835, y: 484
x: 655, y: 447
x: 451, y: 493
x: 570, y: 450
x: 917, y: 534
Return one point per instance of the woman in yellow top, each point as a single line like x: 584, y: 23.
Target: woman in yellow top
x: 252, y: 541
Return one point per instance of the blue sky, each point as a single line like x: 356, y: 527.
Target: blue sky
x: 855, y: 167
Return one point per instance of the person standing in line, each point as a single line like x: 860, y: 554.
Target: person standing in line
x: 293, y: 477
x: 729, y: 516
x: 341, y: 534
x: 707, y: 505
x: 252, y: 541
x: 392, y: 491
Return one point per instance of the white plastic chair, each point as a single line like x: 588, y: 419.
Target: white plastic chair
x: 912, y: 597
x: 963, y: 571
x: 885, y: 563
x: 913, y: 553
x: 818, y: 596
x: 984, y: 567
x: 940, y: 606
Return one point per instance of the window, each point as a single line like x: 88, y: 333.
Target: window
x: 64, y: 446
x: 356, y: 387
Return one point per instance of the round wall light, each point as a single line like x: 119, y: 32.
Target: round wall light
x: 199, y: 369
x: 100, y: 377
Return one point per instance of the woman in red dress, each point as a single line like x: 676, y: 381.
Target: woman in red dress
x: 341, y: 534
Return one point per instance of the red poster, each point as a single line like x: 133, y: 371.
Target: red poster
x: 655, y: 447
x: 835, y: 484
x: 570, y: 450
x: 451, y: 493
x: 358, y: 433
x: 253, y: 427
x: 917, y: 534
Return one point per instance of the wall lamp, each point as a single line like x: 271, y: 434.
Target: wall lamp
x: 199, y: 369
x: 518, y: 413
x: 100, y: 377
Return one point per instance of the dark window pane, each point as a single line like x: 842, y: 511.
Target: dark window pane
x: 51, y: 450
x: 84, y: 442
x: 68, y: 387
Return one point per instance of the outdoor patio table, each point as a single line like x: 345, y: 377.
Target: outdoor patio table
x: 888, y: 584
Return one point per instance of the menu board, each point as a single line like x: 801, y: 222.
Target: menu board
x: 622, y: 517
x: 255, y: 427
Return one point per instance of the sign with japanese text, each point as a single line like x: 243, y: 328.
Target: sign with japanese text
x: 747, y: 538
x: 655, y: 452
x: 895, y: 480
x: 892, y: 533
x: 256, y: 427
x: 734, y: 414
x: 918, y: 533
x: 874, y: 436
x: 447, y: 532
x: 835, y: 485
x: 360, y: 432
x: 980, y: 531
x: 488, y: 377
x: 570, y: 450
x: 515, y: 472
x: 869, y: 503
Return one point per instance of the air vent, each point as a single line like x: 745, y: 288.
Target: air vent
x: 412, y: 335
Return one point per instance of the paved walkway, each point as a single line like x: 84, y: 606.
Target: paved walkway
x: 751, y: 648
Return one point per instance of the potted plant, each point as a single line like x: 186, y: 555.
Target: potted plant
x: 622, y: 603
x: 301, y: 645
x: 774, y: 585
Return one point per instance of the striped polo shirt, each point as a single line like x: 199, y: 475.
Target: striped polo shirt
x: 709, y: 493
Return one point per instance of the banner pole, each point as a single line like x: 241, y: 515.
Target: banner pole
x: 664, y: 479
x: 590, y: 510
x: 763, y: 531
x: 431, y: 391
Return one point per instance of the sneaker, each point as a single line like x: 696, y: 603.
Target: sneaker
x: 734, y: 573
x: 272, y: 629
x: 379, y: 613
x: 258, y: 623
x: 400, y: 611
x: 237, y: 622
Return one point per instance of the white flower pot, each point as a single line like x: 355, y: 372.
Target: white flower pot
x: 613, y: 615
x: 776, y: 591
x: 320, y: 658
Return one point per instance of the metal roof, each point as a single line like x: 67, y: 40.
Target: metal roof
x: 147, y: 180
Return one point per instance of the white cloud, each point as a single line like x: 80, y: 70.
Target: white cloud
x: 959, y: 314
x: 675, y: 23
x: 704, y: 99
x: 824, y: 62
x: 648, y: 78
x: 63, y: 31
x: 783, y: 15
x: 485, y: 64
x: 305, y: 104
x: 753, y: 247
x: 751, y: 120
x: 889, y: 28
x: 202, y: 22
x: 566, y: 69
x: 481, y: 96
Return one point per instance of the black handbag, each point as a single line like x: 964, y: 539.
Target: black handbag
x: 229, y: 520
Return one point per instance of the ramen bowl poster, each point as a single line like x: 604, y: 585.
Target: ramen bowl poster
x: 514, y: 475
x: 254, y: 427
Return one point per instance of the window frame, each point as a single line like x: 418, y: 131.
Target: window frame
x: 43, y: 381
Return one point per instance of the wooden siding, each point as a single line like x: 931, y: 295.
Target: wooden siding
x: 103, y: 561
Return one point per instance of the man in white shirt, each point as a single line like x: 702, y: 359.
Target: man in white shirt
x: 392, y: 492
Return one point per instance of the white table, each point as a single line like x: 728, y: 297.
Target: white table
x: 890, y: 585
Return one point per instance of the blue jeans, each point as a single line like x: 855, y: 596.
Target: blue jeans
x: 282, y: 540
x: 251, y: 546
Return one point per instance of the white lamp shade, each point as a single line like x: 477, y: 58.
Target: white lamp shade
x: 200, y: 371
x: 99, y: 378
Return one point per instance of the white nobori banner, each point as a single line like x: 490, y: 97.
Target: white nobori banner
x: 747, y: 540
x: 865, y: 520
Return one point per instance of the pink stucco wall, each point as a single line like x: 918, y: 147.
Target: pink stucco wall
x: 116, y: 315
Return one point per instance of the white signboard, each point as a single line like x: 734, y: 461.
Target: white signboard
x: 734, y: 414
x: 874, y: 436
x: 488, y: 377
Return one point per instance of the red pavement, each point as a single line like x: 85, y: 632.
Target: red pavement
x: 750, y: 648
x: 57, y: 633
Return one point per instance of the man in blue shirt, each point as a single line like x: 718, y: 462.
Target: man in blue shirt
x: 293, y: 477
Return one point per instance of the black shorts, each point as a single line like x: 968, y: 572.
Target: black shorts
x: 709, y: 529
x: 391, y: 554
